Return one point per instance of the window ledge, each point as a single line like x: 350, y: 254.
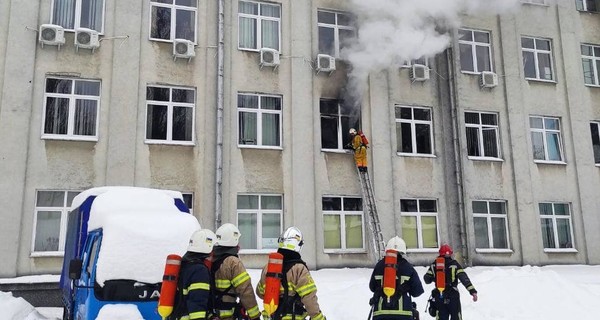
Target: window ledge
x: 592, y: 85
x: 485, y: 159
x: 423, y: 250
x: 53, y: 254
x: 168, y: 41
x: 535, y: 4
x: 473, y: 73
x: 255, y: 50
x: 245, y: 146
x: 569, y: 250
x: 541, y: 80
x: 598, y: 165
x: 550, y: 162
x: 416, y: 155
x: 342, y: 151
x: 257, y: 251
x: 73, y: 31
x: 345, y: 251
x: 492, y: 250
x: 590, y: 12
x: 69, y: 138
x: 172, y: 143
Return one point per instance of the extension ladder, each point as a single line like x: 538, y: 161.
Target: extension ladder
x: 370, y: 209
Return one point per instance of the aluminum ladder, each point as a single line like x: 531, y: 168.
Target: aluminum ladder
x: 370, y: 210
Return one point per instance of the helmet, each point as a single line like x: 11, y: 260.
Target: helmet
x: 228, y: 235
x: 352, y: 131
x: 202, y: 241
x: 396, y: 243
x: 291, y: 239
x: 445, y: 250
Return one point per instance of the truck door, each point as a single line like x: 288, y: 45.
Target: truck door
x: 85, y: 300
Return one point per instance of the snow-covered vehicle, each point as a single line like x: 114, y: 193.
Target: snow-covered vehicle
x: 117, y: 241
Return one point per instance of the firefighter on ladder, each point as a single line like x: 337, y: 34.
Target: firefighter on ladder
x: 360, y: 149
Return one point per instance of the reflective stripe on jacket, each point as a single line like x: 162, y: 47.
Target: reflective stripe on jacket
x: 233, y: 278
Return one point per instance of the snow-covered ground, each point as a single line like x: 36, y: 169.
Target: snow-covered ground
x: 505, y: 293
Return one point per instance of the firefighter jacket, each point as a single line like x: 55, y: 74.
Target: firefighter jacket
x: 360, y: 151
x: 232, y: 281
x: 193, y: 288
x: 407, y: 285
x: 301, y: 298
x: 454, y: 273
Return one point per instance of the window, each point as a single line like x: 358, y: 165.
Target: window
x: 595, y: 130
x: 482, y: 134
x: 171, y: 21
x: 259, y: 25
x: 71, y: 109
x: 491, y: 225
x: 336, y: 120
x: 343, y: 224
x: 259, y: 120
x: 259, y: 220
x: 188, y: 199
x: 73, y: 14
x: 590, y: 57
x: 556, y: 225
x: 422, y: 61
x: 50, y: 221
x: 534, y: 1
x: 414, y: 130
x: 588, y: 5
x: 170, y: 114
x: 537, y: 59
x: 545, y: 138
x: 419, y: 223
x: 475, y: 50
x: 335, y: 30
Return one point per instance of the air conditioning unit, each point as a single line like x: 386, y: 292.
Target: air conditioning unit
x: 86, y: 38
x: 488, y: 79
x: 183, y: 48
x: 269, y: 57
x: 419, y: 72
x: 325, y: 63
x: 51, y: 34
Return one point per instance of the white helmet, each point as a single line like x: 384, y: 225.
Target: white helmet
x: 396, y: 243
x: 291, y: 239
x: 228, y: 235
x: 352, y: 131
x: 202, y: 241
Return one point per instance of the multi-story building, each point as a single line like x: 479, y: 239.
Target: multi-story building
x: 492, y: 145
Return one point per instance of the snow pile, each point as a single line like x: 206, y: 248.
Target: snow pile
x: 119, y: 312
x: 13, y: 308
x: 140, y: 228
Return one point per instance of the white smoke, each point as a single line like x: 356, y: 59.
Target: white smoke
x: 391, y: 32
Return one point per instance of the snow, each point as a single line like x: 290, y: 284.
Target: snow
x: 119, y: 312
x: 43, y: 278
x: 505, y: 293
x: 140, y: 228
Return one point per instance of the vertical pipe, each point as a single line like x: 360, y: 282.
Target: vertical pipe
x: 220, y: 102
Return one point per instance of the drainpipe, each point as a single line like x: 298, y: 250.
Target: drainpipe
x: 457, y: 157
x: 220, y: 102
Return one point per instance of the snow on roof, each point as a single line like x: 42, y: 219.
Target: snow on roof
x: 140, y: 228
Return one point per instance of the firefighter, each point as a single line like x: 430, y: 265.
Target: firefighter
x: 298, y: 298
x: 399, y: 306
x: 193, y: 286
x: 360, y: 150
x: 231, y: 280
x: 448, y: 303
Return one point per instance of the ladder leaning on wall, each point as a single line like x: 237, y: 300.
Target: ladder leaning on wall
x: 370, y: 209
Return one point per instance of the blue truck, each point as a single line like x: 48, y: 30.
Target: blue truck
x: 116, y: 245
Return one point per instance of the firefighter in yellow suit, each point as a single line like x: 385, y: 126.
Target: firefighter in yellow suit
x: 360, y: 151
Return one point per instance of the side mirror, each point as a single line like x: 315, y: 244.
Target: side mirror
x: 75, y: 269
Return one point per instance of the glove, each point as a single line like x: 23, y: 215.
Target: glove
x: 474, y: 297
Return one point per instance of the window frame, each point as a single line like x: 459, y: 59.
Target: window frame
x: 535, y: 2
x: 173, y: 7
x: 259, y: 220
x: 340, y: 132
x: 259, y: 18
x: 71, y: 113
x: 595, y: 59
x: 342, y: 214
x: 595, y: 151
x: 489, y: 216
x: 412, y: 62
x: 544, y: 132
x: 474, y: 44
x: 189, y: 204
x: 64, y: 212
x: 259, y: 112
x: 77, y: 22
x: 413, y: 123
x: 553, y: 217
x: 480, y: 128
x: 584, y: 6
x: 170, y: 105
x: 336, y: 30
x: 419, y: 227
x: 536, y: 52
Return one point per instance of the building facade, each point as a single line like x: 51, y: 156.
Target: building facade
x: 493, y: 146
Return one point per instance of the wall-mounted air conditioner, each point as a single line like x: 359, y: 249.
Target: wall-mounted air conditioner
x: 325, y: 63
x: 269, y: 57
x: 86, y: 39
x: 183, y: 48
x: 488, y: 79
x: 419, y: 72
x: 51, y: 34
